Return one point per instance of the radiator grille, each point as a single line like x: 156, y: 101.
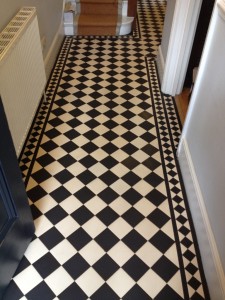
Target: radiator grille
x: 13, y: 30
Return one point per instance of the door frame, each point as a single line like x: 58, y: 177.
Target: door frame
x: 182, y: 34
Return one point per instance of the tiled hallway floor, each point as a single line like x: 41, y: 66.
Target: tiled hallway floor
x: 102, y: 178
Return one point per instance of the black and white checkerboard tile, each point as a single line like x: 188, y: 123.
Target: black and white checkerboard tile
x: 104, y: 186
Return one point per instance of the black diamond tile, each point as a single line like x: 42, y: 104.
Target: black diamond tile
x: 24, y: 263
x: 55, y: 122
x: 108, y: 195
x: 72, y: 134
x: 189, y: 255
x: 49, y: 146
x: 66, y: 160
x: 110, y: 124
x: 63, y: 176
x: 36, y: 213
x: 132, y: 216
x: 45, y: 160
x: 41, y: 291
x: 148, y: 137
x: 184, y: 230
x: 106, y: 239
x: 134, y: 240
x: 131, y: 178
x: 145, y: 115
x: 88, y: 161
x: 73, y: 123
x: 129, y: 149
x: 110, y: 148
x: 46, y: 265
x: 36, y: 193
x: 58, y: 111
x: 76, y: 266
x: 89, y: 147
x: 179, y: 209
x: 135, y: 268
x: 92, y: 123
x: 182, y: 219
x: 13, y: 292
x: 165, y: 268
x: 161, y: 241
x: 71, y: 291
x: 107, y: 215
x: 186, y: 242
x: 91, y: 135
x: 137, y: 293
x: 129, y: 136
x: 192, y: 269
x: 69, y: 146
x: 108, y: 177
x: 129, y: 125
x: 86, y: 177
x: 79, y: 239
x: 156, y: 197
x: 194, y: 283
x: 151, y: 163
x: 82, y: 215
x: 84, y: 194
x: 106, y: 267
x: 158, y: 217
x: 52, y: 133
x: 41, y: 175
x: 51, y: 238
x: 132, y: 196
x: 60, y: 194
x: 105, y: 292
x: 153, y: 179
x: 109, y: 162
x: 110, y: 135
x: 56, y: 214
x: 168, y: 293
x: 130, y: 163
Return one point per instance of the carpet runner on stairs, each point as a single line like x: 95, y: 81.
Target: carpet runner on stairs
x: 98, y: 17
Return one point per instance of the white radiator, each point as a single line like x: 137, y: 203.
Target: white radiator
x: 22, y: 73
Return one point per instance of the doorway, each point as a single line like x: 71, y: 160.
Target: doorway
x: 182, y: 100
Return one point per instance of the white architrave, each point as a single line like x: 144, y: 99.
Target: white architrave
x: 180, y: 45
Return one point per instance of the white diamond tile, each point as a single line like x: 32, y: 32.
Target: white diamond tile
x: 59, y: 280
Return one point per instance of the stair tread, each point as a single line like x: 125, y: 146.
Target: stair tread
x: 97, y: 20
x: 98, y: 1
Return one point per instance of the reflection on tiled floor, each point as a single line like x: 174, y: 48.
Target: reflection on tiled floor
x: 103, y: 181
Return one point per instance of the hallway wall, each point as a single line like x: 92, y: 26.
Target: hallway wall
x: 201, y: 156
x: 49, y: 14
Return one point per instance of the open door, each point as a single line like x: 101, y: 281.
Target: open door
x: 16, y: 223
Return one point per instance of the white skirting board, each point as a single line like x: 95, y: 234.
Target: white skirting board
x: 160, y: 62
x: 210, y: 257
x: 54, y: 50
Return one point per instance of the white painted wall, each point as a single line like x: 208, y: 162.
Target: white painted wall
x: 49, y: 13
x: 202, y: 156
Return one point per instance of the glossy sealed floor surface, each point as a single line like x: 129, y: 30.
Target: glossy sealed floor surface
x: 103, y: 181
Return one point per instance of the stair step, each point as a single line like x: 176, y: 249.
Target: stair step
x: 97, y: 20
x: 99, y: 8
x: 97, y: 30
x: 98, y: 1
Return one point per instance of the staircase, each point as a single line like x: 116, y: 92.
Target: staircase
x: 97, y: 17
